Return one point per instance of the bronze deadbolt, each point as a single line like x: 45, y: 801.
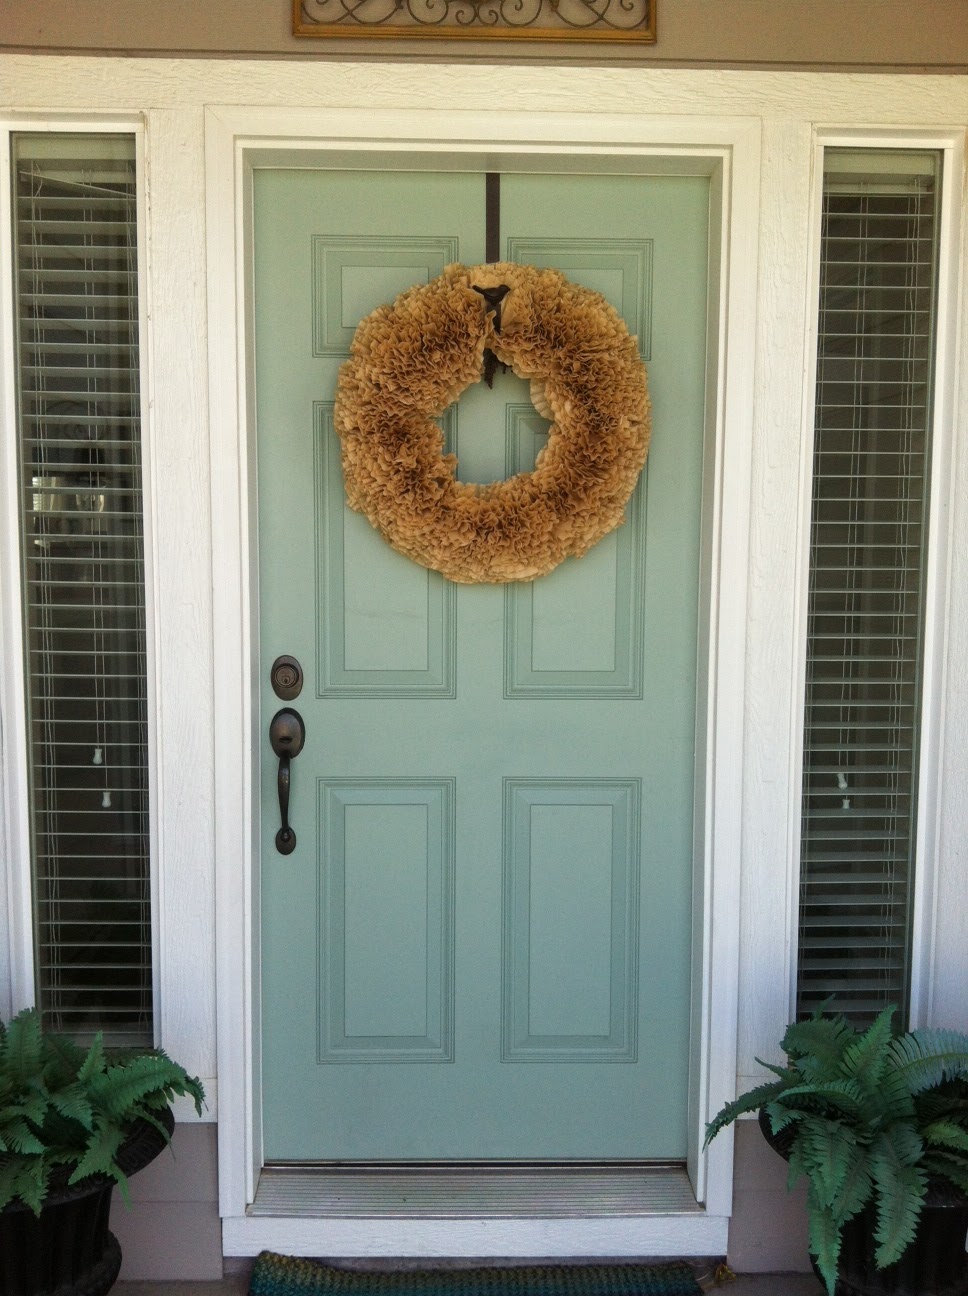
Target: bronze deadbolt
x: 286, y: 678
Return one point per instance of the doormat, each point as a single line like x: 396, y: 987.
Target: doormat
x: 276, y: 1275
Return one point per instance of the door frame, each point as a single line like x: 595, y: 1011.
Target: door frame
x: 238, y: 140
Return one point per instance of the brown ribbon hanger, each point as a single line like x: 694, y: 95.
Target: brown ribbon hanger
x: 493, y: 297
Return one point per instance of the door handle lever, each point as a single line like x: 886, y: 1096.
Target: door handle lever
x: 287, y: 734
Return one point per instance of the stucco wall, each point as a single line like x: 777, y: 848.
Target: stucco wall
x: 907, y: 34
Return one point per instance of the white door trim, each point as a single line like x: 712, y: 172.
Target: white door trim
x: 729, y: 150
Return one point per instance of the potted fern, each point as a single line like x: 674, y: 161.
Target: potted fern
x: 877, y: 1122
x: 74, y: 1122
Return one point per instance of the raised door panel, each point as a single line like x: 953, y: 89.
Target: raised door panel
x: 386, y: 919
x: 363, y: 584
x: 352, y: 276
x: 571, y: 920
x: 578, y: 631
x: 618, y: 268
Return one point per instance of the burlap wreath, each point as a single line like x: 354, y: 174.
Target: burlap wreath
x: 411, y: 359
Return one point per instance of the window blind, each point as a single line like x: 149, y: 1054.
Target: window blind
x: 76, y: 307
x: 879, y: 254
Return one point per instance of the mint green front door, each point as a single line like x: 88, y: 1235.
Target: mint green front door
x: 480, y: 947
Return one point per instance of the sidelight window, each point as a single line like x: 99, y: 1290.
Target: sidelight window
x: 871, y: 472
x: 83, y: 580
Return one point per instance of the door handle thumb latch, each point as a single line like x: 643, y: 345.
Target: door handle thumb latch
x: 287, y: 734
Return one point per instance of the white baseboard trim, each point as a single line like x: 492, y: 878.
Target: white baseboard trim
x: 691, y: 1234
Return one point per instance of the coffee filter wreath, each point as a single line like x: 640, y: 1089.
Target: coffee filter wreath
x: 412, y: 359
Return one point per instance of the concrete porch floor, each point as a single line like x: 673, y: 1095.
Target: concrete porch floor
x: 235, y: 1284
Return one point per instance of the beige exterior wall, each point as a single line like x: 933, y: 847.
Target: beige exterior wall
x: 172, y: 1228
x: 768, y: 1229
x: 902, y: 34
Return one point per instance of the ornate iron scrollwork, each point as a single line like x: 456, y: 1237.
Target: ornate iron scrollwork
x: 622, y: 20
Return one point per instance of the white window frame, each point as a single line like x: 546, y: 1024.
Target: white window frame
x: 728, y: 150
x: 15, y: 851
x: 940, y: 522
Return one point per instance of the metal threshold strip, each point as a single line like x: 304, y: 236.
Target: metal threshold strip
x: 474, y: 1191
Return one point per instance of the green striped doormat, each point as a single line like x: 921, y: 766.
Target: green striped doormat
x: 276, y: 1275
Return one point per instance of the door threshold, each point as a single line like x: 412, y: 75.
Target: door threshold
x: 467, y: 1192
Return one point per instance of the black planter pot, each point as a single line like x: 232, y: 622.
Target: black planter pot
x: 935, y: 1264
x: 69, y: 1250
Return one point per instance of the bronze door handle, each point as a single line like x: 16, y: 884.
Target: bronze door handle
x: 287, y: 734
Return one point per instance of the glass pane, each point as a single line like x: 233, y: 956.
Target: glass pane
x: 879, y: 253
x: 76, y: 286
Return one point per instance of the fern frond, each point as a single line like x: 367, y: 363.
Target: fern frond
x: 905, y: 1142
x: 856, y: 1189
x: 901, y: 1184
x: 751, y: 1101
x: 797, y: 1170
x: 24, y: 1179
x: 19, y: 1137
x: 785, y: 1073
x: 147, y: 1117
x: 35, y: 1105
x: 781, y: 1117
x: 123, y: 1089
x: 72, y: 1103
x: 825, y: 1237
x: 891, y: 1101
x: 21, y: 1048
x: 99, y: 1154
x: 30, y: 1106
x: 923, y: 1059
x: 828, y: 1148
x: 148, y: 1079
x: 64, y: 1060
x: 946, y: 1134
x: 866, y: 1059
x: 94, y: 1063
x: 820, y: 1039
x: 844, y: 1095
x: 948, y: 1166
x: 948, y: 1101
x: 193, y: 1089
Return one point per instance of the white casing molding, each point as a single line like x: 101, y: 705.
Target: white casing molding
x: 236, y: 141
